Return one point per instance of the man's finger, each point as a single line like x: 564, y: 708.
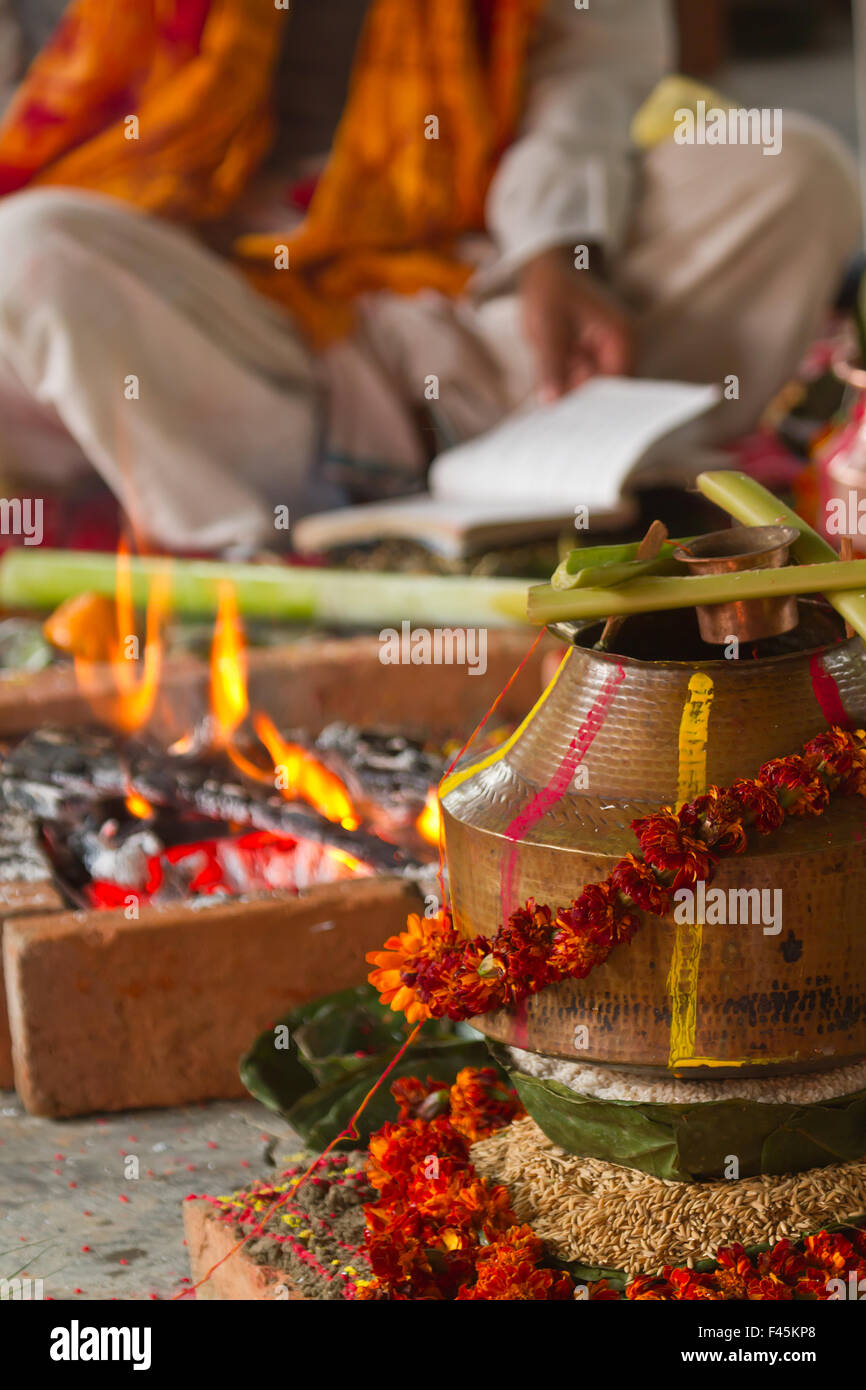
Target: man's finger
x: 552, y: 341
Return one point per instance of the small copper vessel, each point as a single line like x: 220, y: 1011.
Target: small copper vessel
x: 742, y: 548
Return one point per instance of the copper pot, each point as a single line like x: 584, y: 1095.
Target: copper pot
x: 617, y: 736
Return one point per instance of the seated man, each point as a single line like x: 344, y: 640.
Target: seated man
x: 240, y: 240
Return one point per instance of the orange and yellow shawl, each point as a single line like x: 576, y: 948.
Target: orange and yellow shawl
x: 197, y: 75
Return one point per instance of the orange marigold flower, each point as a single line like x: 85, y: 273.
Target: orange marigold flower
x: 398, y: 962
x: 399, y: 1152
x: 768, y: 1288
x: 508, y: 1270
x: 671, y: 849
x: 481, y: 1103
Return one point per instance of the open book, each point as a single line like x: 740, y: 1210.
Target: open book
x: 575, y: 462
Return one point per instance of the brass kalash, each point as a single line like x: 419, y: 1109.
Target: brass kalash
x: 653, y: 721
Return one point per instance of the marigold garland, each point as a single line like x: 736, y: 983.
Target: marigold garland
x: 787, y: 1271
x: 430, y: 971
x: 439, y: 1231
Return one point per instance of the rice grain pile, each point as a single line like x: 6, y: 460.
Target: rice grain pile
x: 598, y: 1213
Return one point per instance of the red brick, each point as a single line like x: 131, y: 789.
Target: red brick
x: 238, y: 1279
x: 18, y: 900
x: 110, y: 1014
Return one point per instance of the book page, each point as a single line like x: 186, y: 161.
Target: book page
x: 578, y: 451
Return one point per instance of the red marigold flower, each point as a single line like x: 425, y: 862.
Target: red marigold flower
x: 671, y: 849
x: 758, y: 803
x: 801, y: 791
x: 524, y: 944
x: 649, y: 1286
x: 400, y: 958
x: 636, y: 880
x: 604, y: 913
x: 829, y: 1251
x: 783, y: 1260
x: 481, y: 1103
x: 734, y: 1259
x: 576, y: 947
x: 832, y: 755
x: 471, y: 979
x: 717, y: 819
x: 601, y: 1292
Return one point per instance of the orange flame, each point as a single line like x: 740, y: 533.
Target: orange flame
x: 299, y: 775
x: 429, y: 823
x: 136, y: 680
x: 302, y: 775
x: 228, y: 670
x: 137, y: 806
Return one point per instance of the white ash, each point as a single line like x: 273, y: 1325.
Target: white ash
x: 21, y: 857
x: 125, y: 862
x: 607, y: 1083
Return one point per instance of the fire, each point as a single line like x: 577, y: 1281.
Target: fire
x: 356, y: 866
x: 302, y: 775
x: 137, y: 806
x: 429, y: 823
x: 228, y: 671
x: 135, y: 677
x: 293, y: 770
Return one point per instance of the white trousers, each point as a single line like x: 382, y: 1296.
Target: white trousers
x: 127, y: 346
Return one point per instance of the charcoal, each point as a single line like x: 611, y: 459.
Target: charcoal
x: 63, y: 776
x: 389, y: 773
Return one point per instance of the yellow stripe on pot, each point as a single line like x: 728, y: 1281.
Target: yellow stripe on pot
x: 686, y: 958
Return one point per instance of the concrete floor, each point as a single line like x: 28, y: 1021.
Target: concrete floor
x: 70, y: 1184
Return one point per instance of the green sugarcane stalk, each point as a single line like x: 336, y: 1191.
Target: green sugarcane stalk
x: 752, y: 505
x: 598, y: 556
x: 37, y: 578
x: 546, y: 605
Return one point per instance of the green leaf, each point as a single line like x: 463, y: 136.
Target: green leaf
x: 339, y: 1047
x: 692, y: 1143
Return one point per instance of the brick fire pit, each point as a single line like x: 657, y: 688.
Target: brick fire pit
x: 105, y: 1013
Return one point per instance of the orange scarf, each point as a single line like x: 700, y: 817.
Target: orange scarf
x: 166, y: 104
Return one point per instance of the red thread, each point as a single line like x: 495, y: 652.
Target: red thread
x: 539, y: 805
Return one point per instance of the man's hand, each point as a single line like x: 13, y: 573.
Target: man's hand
x: 574, y: 324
